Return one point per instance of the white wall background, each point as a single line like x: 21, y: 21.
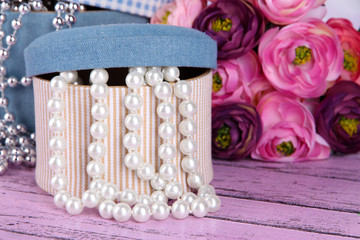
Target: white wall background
x: 349, y: 9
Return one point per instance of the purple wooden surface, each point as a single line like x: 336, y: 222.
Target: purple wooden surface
x: 313, y: 200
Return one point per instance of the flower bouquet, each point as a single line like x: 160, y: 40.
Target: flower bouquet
x: 287, y: 83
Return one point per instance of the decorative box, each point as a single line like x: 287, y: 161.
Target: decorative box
x: 116, y: 48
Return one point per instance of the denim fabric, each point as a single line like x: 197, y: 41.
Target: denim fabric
x: 140, y: 7
x: 21, y: 100
x: 122, y: 45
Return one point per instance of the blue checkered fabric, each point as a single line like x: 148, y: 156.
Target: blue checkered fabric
x: 144, y: 8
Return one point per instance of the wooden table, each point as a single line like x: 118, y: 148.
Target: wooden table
x: 312, y: 200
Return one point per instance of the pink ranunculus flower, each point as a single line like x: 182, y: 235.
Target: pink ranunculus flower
x: 179, y: 13
x: 232, y: 77
x: 285, y: 12
x: 289, y: 132
x: 259, y: 87
x: 350, y: 43
x: 301, y: 58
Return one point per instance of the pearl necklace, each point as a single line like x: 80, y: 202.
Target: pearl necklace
x: 102, y: 194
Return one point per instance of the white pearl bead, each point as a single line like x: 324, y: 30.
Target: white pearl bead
x: 171, y: 74
x: 163, y: 90
x: 122, y: 212
x: 74, y: 206
x: 96, y: 185
x: 141, y: 70
x: 141, y: 212
x: 128, y: 196
x: 188, y: 127
x: 131, y: 141
x: 57, y: 143
x: 133, y: 121
x: 206, y: 189
x: 213, y: 202
x: 160, y: 210
x: 146, y: 171
x: 180, y: 209
x: 133, y: 160
x: 95, y: 168
x: 61, y: 198
x: 195, y: 180
x: 188, y: 146
x: 59, y: 182
x: 199, y: 207
x: 187, y: 108
x: 134, y: 80
x: 189, y: 164
x: 173, y: 190
x: 96, y: 150
x: 57, y: 162
x: 188, y: 197
x: 69, y: 76
x: 165, y: 110
x: 145, y: 199
x: 133, y: 101
x: 99, y: 90
x: 106, y: 209
x: 167, y: 151
x: 57, y: 124
x: 157, y: 182
x: 99, y: 76
x: 98, y: 130
x: 159, y: 196
x: 90, y: 198
x: 55, y: 105
x: 100, y: 111
x: 168, y: 171
x: 167, y: 130
x: 108, y: 191
x: 154, y: 77
x: 58, y: 84
x: 183, y: 89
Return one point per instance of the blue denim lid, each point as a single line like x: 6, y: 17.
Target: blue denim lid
x: 123, y: 45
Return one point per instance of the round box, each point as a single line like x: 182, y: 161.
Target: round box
x: 78, y: 102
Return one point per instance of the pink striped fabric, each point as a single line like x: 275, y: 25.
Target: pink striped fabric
x: 78, y: 102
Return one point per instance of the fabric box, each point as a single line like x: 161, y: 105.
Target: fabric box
x: 115, y: 48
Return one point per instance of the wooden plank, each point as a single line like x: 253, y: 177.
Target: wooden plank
x: 289, y: 217
x: 288, y: 188
x: 345, y: 167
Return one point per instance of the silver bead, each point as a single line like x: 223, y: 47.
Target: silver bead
x: 3, y: 102
x: 5, y: 5
x: 4, y: 54
x: 21, y: 128
x: 29, y: 161
x: 24, y: 141
x: 74, y: 6
x: 16, y: 160
x: 26, y: 81
x: 3, y: 153
x: 2, y: 18
x: 58, y: 22
x: 3, y: 167
x: 60, y: 7
x: 37, y: 5
x: 16, y: 23
x: 29, y: 151
x: 16, y: 152
x: 12, y: 82
x: 12, y: 130
x: 3, y: 134
x: 2, y: 34
x: 70, y: 19
x: 3, y: 85
x: 33, y: 136
x: 2, y: 71
x: 24, y: 9
x: 9, y: 117
x: 10, y: 142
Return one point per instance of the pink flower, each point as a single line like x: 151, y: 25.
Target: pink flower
x: 350, y: 43
x: 259, y: 87
x: 179, y: 13
x: 232, y: 77
x: 288, y: 132
x: 285, y: 12
x: 301, y: 58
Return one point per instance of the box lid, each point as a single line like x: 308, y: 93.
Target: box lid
x: 121, y: 45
